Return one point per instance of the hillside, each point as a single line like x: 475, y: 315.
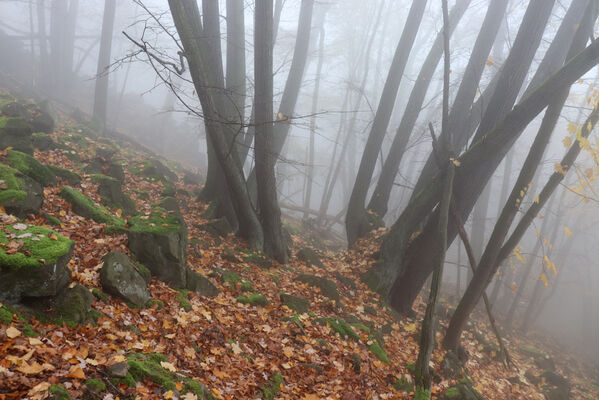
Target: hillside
x: 216, y: 320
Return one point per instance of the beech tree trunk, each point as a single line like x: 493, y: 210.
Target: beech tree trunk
x: 186, y: 16
x: 101, y: 91
x: 356, y: 221
x: 270, y: 213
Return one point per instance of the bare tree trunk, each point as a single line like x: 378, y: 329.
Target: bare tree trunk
x: 101, y: 91
x: 310, y: 174
x: 186, y: 16
x: 235, y: 79
x: 274, y: 245
x: 356, y: 221
x: 45, y: 72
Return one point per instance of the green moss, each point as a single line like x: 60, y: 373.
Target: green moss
x: 5, y: 316
x: 259, y: 259
x: 28, y: 331
x: 411, y: 367
x: 84, y: 205
x: 39, y: 244
x: 159, y: 221
x: 296, y: 303
x: 295, y: 319
x: 452, y: 393
x: 31, y: 167
x: 52, y: 220
x: 13, y: 185
x: 142, y: 194
x: 159, y: 304
x: 95, y: 385
x: 422, y: 394
x: 339, y: 326
x: 247, y: 286
x: 254, y: 299
x: 71, y: 177
x: 378, y: 350
x: 274, y: 387
x: 403, y: 385
x: 100, y: 295
x: 361, y: 327
x: 59, y: 392
x: 144, y: 366
x: 128, y: 380
x: 182, y: 297
x: 327, y: 287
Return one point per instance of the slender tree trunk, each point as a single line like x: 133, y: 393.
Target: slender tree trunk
x: 310, y: 175
x: 357, y: 221
x: 235, y: 74
x: 43, y: 43
x: 476, y: 167
x: 186, y: 16
x: 274, y: 245
x: 101, y: 91
x: 292, y: 86
x: 380, y: 198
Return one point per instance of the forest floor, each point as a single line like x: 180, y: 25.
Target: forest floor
x: 236, y: 349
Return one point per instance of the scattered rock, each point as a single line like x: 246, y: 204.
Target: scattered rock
x: 217, y: 227
x: 462, y: 391
x: 16, y: 133
x: 327, y: 287
x: 39, y: 273
x: 259, y: 259
x: 71, y: 177
x: 159, y: 241
x: 348, y: 282
x: 191, y: 178
x: 14, y: 109
x: 557, y: 387
x: 200, y: 284
x: 86, y: 207
x: 111, y: 191
x: 310, y: 257
x: 118, y: 370
x: 74, y: 304
x: 120, y: 278
x: 296, y: 303
x: 43, y: 122
x: 19, y: 194
x: 42, y: 141
x: 228, y: 255
x: 254, y: 299
x: 31, y: 167
x: 157, y: 169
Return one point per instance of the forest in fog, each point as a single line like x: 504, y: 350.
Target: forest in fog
x: 440, y: 154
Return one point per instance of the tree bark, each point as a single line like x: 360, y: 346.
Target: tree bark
x: 101, y: 91
x: 356, y: 221
x: 274, y: 245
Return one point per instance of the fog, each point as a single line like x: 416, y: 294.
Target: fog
x: 151, y: 103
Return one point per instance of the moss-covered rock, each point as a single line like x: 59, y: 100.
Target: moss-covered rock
x: 42, y: 122
x: 16, y: 133
x: 52, y: 220
x: 19, y: 194
x: 339, y: 326
x: 462, y: 391
x: 73, y: 305
x: 296, y: 303
x: 310, y: 257
x: 259, y: 259
x: 33, y: 262
x: 556, y: 387
x: 327, y: 287
x: 31, y: 167
x: 111, y: 191
x: 254, y: 299
x: 43, y: 141
x: 95, y: 386
x: 217, y: 227
x: 200, y: 284
x: 71, y: 177
x: 159, y: 241
x: 14, y: 109
x: 155, y: 168
x: 190, y: 178
x: 86, y: 207
x: 378, y: 350
x: 228, y: 255
x: 120, y: 278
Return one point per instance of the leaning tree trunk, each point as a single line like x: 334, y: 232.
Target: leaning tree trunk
x: 477, y: 165
x: 186, y: 16
x: 274, y: 245
x: 484, y: 42
x: 356, y: 221
x: 468, y: 189
x: 101, y: 91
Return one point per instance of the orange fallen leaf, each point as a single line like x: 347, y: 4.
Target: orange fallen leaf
x: 76, y: 373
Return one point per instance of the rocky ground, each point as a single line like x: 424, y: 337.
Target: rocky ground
x: 116, y: 283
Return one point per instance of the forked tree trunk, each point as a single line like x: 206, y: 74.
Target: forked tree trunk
x: 186, y: 16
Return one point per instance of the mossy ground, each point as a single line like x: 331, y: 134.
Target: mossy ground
x: 339, y: 326
x: 59, y: 392
x: 97, y: 212
x: 159, y: 221
x: 183, y: 299
x: 39, y: 244
x: 95, y: 385
x: 378, y: 350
